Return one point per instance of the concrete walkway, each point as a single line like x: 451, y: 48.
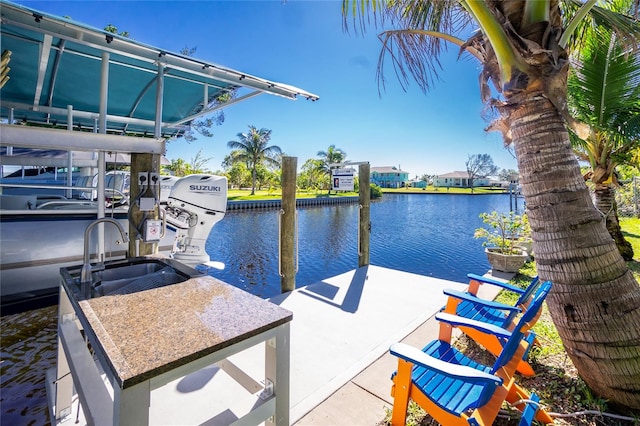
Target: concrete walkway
x: 365, y: 398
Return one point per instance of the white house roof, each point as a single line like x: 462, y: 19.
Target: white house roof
x: 456, y: 174
x: 387, y: 169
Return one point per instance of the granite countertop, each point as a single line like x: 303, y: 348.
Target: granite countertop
x: 151, y: 332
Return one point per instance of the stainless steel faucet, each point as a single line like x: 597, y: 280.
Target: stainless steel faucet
x: 85, y: 274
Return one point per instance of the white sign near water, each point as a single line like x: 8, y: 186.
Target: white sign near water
x: 342, y: 179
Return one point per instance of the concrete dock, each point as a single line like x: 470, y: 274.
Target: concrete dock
x: 340, y: 335
x: 364, y: 398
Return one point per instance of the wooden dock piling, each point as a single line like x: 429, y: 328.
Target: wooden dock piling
x: 288, y: 237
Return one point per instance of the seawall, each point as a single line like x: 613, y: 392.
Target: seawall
x: 300, y: 202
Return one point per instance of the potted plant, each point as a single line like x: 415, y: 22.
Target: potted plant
x: 524, y: 236
x: 502, y: 232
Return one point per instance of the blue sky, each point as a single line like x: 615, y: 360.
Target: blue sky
x: 302, y: 43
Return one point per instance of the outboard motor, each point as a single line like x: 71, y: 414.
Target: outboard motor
x: 195, y: 204
x: 166, y: 185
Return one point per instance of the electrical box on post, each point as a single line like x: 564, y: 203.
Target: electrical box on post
x: 152, y: 230
x: 147, y: 204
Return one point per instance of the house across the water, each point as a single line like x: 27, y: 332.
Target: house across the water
x: 417, y: 183
x: 459, y: 180
x: 389, y: 177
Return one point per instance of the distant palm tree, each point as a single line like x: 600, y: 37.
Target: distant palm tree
x: 253, y: 149
x: 332, y: 155
x: 604, y: 94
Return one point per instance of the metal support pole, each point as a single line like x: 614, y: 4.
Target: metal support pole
x: 364, y: 222
x: 69, y: 192
x: 510, y: 197
x: 288, y: 247
x: 102, y: 128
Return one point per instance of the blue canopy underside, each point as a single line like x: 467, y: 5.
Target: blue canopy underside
x: 57, y: 62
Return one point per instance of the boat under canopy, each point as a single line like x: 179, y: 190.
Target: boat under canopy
x: 92, y: 94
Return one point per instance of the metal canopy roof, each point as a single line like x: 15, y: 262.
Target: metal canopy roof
x: 57, y: 63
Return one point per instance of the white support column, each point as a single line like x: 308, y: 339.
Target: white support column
x: 69, y: 153
x: 102, y: 128
x: 64, y: 380
x: 104, y: 93
x: 205, y: 100
x: 277, y: 371
x: 131, y: 405
x: 157, y: 130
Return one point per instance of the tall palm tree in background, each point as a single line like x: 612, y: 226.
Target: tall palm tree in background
x: 253, y: 148
x: 332, y: 155
x: 604, y: 95
x: 523, y: 49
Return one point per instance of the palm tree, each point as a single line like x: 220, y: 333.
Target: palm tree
x: 253, y: 149
x: 604, y: 94
x: 332, y: 155
x: 522, y: 47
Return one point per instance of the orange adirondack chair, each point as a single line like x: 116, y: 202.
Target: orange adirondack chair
x: 454, y: 389
x: 468, y: 305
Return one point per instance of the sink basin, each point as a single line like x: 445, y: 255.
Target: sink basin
x: 129, y: 276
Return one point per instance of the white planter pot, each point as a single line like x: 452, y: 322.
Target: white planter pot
x: 505, y: 262
x: 527, y: 245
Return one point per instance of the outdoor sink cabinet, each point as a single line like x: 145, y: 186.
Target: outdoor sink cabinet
x: 115, y: 348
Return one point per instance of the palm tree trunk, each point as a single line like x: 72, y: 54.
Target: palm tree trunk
x: 595, y: 301
x: 605, y: 202
x: 253, y: 181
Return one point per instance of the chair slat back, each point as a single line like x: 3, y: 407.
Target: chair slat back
x: 524, y: 300
x: 529, y: 292
x: 517, y: 334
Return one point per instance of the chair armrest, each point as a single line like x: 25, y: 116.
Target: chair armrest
x: 458, y: 321
x: 416, y: 356
x: 487, y: 280
x: 476, y: 300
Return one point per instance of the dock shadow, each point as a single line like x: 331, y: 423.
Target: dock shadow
x: 325, y: 292
x: 197, y: 380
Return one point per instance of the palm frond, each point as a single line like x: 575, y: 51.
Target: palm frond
x: 616, y: 17
x: 604, y: 92
x: 412, y: 50
x: 604, y: 87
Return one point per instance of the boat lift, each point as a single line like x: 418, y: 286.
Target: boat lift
x: 120, y: 87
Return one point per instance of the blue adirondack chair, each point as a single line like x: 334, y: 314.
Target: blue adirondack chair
x: 454, y: 389
x: 467, y: 304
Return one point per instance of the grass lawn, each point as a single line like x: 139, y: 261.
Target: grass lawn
x: 439, y: 190
x: 631, y: 230
x: 557, y: 383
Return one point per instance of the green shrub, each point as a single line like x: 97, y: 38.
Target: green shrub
x: 375, y: 191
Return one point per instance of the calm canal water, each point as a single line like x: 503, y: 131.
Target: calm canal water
x: 423, y: 234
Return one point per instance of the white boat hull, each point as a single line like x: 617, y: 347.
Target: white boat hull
x: 37, y: 243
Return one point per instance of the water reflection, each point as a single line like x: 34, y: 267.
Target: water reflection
x: 247, y: 244
x: 425, y: 234
x: 28, y: 350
